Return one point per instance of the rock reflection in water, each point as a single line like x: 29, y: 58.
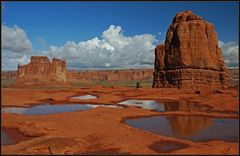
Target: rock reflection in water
x: 195, y: 128
x: 167, y: 106
x: 184, y: 126
x: 185, y: 106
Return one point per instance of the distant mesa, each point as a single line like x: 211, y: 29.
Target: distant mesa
x: 110, y: 75
x: 190, y: 57
x: 41, y: 71
x: 98, y: 75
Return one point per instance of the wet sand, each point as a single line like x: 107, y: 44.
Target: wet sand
x: 102, y: 129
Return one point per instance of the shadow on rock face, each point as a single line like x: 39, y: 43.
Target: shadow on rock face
x: 166, y: 146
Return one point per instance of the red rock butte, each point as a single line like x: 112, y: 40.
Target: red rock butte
x: 190, y: 57
x: 41, y: 71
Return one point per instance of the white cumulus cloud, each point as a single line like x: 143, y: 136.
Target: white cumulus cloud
x: 15, y: 39
x: 112, y: 49
x: 11, y: 60
x: 230, y: 52
x: 16, y: 47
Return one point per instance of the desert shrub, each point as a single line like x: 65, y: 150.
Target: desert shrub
x: 138, y: 85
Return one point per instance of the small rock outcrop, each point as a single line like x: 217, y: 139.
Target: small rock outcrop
x: 41, y: 71
x: 190, y: 57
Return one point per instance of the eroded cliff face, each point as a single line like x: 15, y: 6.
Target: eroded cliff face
x: 40, y: 70
x: 58, y: 70
x: 101, y: 75
x: 111, y: 75
x: 8, y: 75
x: 190, y: 57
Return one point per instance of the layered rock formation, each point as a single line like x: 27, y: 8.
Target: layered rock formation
x: 111, y: 75
x: 190, y: 57
x: 41, y: 71
x: 101, y: 75
x: 8, y: 75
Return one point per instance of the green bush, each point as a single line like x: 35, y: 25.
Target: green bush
x: 138, y: 85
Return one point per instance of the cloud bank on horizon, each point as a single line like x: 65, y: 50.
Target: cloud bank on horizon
x: 111, y: 50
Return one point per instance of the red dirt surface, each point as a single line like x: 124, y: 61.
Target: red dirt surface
x: 102, y: 130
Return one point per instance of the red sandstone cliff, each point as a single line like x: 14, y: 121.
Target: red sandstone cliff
x: 190, y: 57
x: 101, y: 75
x: 111, y: 75
x: 40, y: 70
x: 8, y: 74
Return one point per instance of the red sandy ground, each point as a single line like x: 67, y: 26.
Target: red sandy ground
x: 102, y: 130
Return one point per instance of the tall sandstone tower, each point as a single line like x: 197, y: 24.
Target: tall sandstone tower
x: 190, y: 57
x: 41, y: 71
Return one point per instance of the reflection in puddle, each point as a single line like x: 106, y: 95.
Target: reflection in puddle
x: 52, y: 109
x: 84, y: 97
x: 185, y: 106
x: 167, y: 106
x: 11, y: 136
x: 194, y: 128
x: 166, y: 146
x: 145, y: 104
x: 5, y: 139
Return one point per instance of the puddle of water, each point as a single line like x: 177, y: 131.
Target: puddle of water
x: 84, y: 97
x: 11, y: 136
x: 6, y: 139
x: 185, y: 106
x: 145, y: 104
x: 52, y: 109
x: 166, y: 106
x: 166, y: 146
x: 194, y: 128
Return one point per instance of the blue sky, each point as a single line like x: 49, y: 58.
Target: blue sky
x: 55, y: 23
